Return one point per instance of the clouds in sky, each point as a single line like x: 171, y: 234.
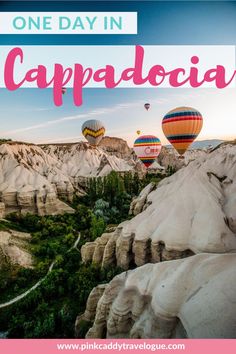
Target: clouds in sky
x: 121, y: 111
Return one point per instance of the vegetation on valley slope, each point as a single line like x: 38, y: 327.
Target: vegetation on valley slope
x: 50, y: 310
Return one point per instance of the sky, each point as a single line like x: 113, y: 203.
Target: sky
x: 30, y: 115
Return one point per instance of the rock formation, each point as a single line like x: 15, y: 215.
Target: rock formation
x: 34, y: 178
x: 2, y: 210
x: 191, y: 212
x: 170, y: 157
x: 139, y: 203
x: 31, y: 181
x: 116, y: 146
x: 91, y: 307
x: 82, y: 160
x: 13, y: 249
x: 190, y: 298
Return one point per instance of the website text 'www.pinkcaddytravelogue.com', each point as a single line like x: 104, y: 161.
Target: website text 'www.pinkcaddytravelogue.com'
x: 119, y: 346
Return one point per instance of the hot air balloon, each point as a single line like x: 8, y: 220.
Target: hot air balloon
x: 138, y: 132
x: 63, y: 90
x: 147, y: 148
x: 147, y: 106
x: 181, y: 126
x: 93, y: 130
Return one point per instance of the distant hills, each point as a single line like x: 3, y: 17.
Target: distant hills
x: 204, y: 144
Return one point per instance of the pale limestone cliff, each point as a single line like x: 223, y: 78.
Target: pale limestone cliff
x: 30, y: 180
x: 139, y: 203
x: 116, y: 146
x: 80, y: 160
x: 91, y: 307
x: 193, y: 211
x: 2, y: 210
x: 13, y: 249
x: 34, y: 178
x: 170, y: 157
x: 190, y: 298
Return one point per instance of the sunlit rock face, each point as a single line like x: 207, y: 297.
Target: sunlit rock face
x: 170, y: 157
x: 34, y: 178
x: 31, y: 180
x: 82, y: 160
x: 116, y: 146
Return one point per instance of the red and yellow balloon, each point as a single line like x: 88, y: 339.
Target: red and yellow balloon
x: 147, y: 148
x: 181, y: 126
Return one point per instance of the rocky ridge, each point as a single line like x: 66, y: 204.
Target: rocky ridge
x: 177, y: 299
x: 81, y: 161
x: 13, y: 249
x: 37, y: 178
x: 31, y: 180
x: 191, y: 212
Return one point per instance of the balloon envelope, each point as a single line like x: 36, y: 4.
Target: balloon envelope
x: 138, y: 132
x: 147, y: 148
x: 147, y: 106
x: 181, y: 126
x: 93, y: 130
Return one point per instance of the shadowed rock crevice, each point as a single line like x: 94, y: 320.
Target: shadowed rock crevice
x: 129, y: 254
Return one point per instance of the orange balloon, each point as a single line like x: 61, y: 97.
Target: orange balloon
x: 181, y: 126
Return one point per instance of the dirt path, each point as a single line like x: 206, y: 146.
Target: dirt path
x: 35, y: 286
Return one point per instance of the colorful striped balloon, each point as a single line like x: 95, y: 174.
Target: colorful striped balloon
x: 93, y: 130
x: 147, y: 148
x: 181, y: 126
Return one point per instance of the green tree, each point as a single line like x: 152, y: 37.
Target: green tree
x: 98, y: 227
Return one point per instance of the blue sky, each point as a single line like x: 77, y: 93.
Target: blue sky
x: 160, y: 22
x: 29, y: 114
